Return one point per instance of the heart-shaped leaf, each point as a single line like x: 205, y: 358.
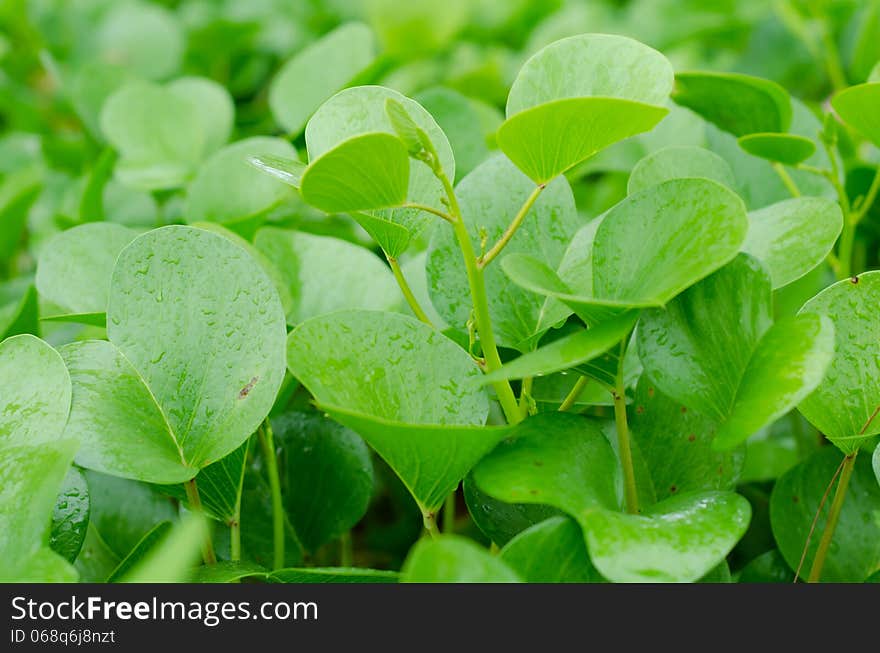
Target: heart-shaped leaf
x: 361, y: 112
x: 329, y: 476
x: 324, y: 274
x: 743, y: 378
x: 737, y: 103
x: 453, y: 559
x: 317, y: 72
x: 568, y: 351
x: 859, y: 107
x: 855, y: 551
x: 683, y: 229
x: 789, y: 149
x: 70, y: 518
x: 228, y: 189
x: 75, y: 266
x: 489, y: 198
x: 567, y: 462
x: 794, y: 236
x: 579, y: 95
x: 195, y: 351
x: 845, y: 405
x: 679, y: 162
x: 676, y: 445
x: 551, y: 552
x: 411, y: 393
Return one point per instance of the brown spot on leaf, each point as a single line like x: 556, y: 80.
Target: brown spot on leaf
x: 673, y: 489
x: 650, y: 392
x: 640, y: 410
x: 796, y: 499
x: 684, y: 409
x: 539, y: 463
x: 692, y: 437
x: 853, y: 279
x: 533, y: 492
x: 246, y: 390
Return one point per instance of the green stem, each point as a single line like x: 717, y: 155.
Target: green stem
x: 428, y: 209
x: 573, y: 395
x: 195, y: 502
x: 411, y: 300
x: 235, y: 539
x: 449, y: 513
x: 495, y: 250
x: 481, y: 305
x: 623, y: 443
x: 845, y: 248
x: 346, y: 550
x: 833, y: 516
x: 525, y: 396
x: 870, y: 197
x: 786, y: 179
x: 267, y: 442
x: 429, y: 519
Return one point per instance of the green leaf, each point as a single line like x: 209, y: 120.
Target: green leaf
x: 195, y: 351
x: 794, y: 236
x: 324, y: 274
x: 855, y: 552
x: 290, y: 171
x: 413, y: 137
x: 35, y: 401
x: 549, y: 139
x: 141, y: 550
x: 70, y: 517
x: 568, y: 351
x: 769, y: 567
x: 489, y: 198
x: 30, y: 478
x: 844, y: 407
x: 858, y: 107
x: 500, y: 521
x: 317, y: 72
x: 454, y: 559
x: 789, y: 149
x: 684, y: 229
x: 460, y: 119
x: 214, y: 106
x: 676, y: 445
x: 18, y: 191
x: 365, y: 172
x: 743, y: 377
x: 360, y: 111
x: 679, y: 162
x: 75, y: 266
x: 737, y: 103
x: 551, y: 552
x: 173, y: 561
x: 143, y: 37
x: 18, y: 308
x: 565, y: 461
x: 416, y: 27
x: 89, y: 86
x: 229, y: 572
x: 411, y: 393
x: 333, y: 575
x: 228, y: 189
x: 329, y: 476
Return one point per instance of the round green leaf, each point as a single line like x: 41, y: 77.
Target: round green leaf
x: 317, y: 72
x: 489, y: 198
x: 794, y: 236
x: 460, y: 120
x: 228, y: 189
x: 678, y: 162
x: 844, y: 406
x: 418, y: 26
x: 411, y: 393
x: 89, y: 87
x: 366, y: 172
x: 75, y: 266
x: 676, y: 445
x: 855, y: 550
x: 70, y: 517
x: 213, y: 105
x: 324, y: 274
x: 453, y: 559
x: 789, y: 149
x: 551, y: 552
x: 35, y: 401
x: 144, y: 37
x: 195, y: 350
x: 329, y: 476
x: 859, y: 107
x: 737, y: 103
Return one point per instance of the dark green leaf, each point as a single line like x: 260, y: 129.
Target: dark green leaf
x: 70, y: 518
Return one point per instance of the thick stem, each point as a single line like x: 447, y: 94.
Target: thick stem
x: 786, y: 179
x: 267, y: 442
x: 833, y: 516
x: 495, y: 250
x: 411, y: 300
x: 429, y: 519
x: 481, y: 305
x: 195, y: 502
x: 573, y: 395
x: 623, y: 444
x: 449, y: 513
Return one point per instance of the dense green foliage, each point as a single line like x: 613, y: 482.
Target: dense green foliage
x: 439, y: 291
